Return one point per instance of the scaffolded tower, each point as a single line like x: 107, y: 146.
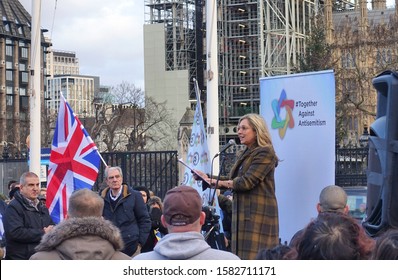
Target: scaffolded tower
x: 256, y: 38
x: 183, y: 39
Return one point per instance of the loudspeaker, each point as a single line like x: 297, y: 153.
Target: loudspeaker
x: 382, y: 183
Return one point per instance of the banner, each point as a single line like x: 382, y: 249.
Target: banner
x: 198, y: 159
x: 300, y: 112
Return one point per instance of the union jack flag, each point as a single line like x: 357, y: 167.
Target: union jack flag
x: 74, y: 161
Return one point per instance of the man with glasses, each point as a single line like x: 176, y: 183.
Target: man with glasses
x: 126, y: 209
x: 25, y: 220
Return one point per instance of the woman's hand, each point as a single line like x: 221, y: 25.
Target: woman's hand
x: 200, y: 175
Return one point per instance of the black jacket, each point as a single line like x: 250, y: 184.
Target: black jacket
x: 130, y: 215
x: 155, y: 214
x: 23, y: 227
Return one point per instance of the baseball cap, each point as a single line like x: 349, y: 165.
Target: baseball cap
x: 182, y: 206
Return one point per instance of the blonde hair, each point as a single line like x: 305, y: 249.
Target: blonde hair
x: 259, y: 125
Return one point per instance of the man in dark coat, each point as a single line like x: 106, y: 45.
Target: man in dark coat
x: 126, y: 209
x: 25, y: 220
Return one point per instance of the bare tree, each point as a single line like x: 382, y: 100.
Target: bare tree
x: 357, y: 55
x: 130, y: 122
x: 126, y: 93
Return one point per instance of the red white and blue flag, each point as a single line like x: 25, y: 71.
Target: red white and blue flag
x: 74, y: 161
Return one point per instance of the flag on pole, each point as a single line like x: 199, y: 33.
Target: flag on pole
x: 198, y: 152
x: 198, y: 158
x: 74, y: 161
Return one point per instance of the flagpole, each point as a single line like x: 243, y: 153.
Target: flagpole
x: 35, y: 94
x: 103, y: 161
x: 212, y: 82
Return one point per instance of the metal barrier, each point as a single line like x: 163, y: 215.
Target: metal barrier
x: 351, y: 166
x: 158, y: 171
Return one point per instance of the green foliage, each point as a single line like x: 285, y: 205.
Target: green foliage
x: 317, y: 54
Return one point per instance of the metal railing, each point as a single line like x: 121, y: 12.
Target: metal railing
x: 158, y: 171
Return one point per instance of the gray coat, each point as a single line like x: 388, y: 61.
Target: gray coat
x: 185, y: 246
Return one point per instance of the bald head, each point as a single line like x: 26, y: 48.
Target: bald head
x: 333, y: 198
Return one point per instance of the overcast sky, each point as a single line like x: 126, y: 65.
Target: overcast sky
x: 106, y: 35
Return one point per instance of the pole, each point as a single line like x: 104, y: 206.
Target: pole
x: 35, y: 94
x: 212, y: 82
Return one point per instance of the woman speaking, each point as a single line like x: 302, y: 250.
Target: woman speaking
x: 255, y: 223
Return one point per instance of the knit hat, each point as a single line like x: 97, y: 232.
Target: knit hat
x: 182, y: 206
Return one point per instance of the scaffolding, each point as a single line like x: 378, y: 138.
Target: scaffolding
x: 258, y: 38
x: 182, y: 39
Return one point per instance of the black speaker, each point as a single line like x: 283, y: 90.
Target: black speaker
x: 382, y: 183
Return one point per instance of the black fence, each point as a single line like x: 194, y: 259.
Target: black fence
x: 351, y: 166
x: 158, y: 171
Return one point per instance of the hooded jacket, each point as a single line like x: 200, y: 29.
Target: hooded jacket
x: 88, y: 238
x: 185, y: 246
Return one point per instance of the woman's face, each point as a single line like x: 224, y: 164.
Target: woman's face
x: 144, y: 196
x: 246, y: 133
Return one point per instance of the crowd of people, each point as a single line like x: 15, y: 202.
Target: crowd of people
x: 121, y: 222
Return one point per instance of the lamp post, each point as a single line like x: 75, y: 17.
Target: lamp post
x: 364, y: 138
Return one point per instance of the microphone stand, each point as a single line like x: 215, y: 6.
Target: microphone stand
x: 212, y: 236
x: 222, y: 156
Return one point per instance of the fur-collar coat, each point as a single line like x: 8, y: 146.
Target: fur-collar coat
x: 89, y: 238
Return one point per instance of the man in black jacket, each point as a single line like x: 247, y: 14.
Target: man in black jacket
x: 126, y: 209
x: 25, y: 220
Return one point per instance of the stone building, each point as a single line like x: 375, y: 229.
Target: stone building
x: 364, y: 43
x: 15, y: 82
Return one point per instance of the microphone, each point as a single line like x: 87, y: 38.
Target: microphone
x: 226, y: 147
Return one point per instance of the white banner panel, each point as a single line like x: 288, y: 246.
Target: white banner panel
x: 300, y: 112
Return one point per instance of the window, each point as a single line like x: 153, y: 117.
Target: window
x: 24, y: 102
x: 9, y: 75
x: 383, y: 57
x: 9, y: 100
x: 348, y: 60
x: 24, y: 77
x: 9, y: 51
x: 22, y: 67
x: 22, y: 91
x: 24, y: 52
